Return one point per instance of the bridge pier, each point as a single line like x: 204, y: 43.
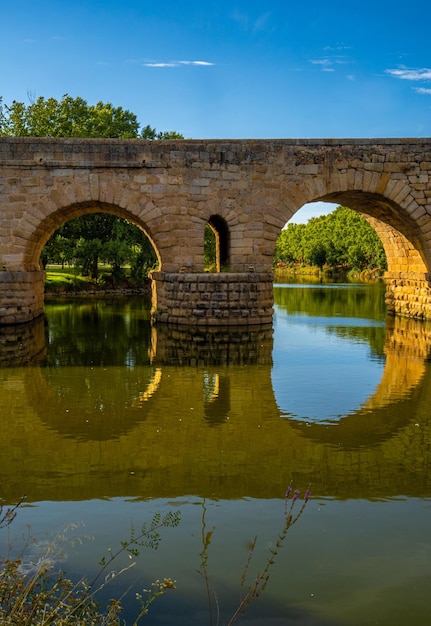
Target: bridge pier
x: 21, y: 296
x: 212, y: 299
x: 409, y: 294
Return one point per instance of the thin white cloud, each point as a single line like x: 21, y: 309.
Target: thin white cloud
x: 261, y: 22
x: 327, y: 63
x: 246, y: 23
x: 423, y: 90
x: 177, y: 63
x: 405, y: 73
x: 204, y: 63
x: 321, y: 62
x: 160, y: 64
x: 339, y: 47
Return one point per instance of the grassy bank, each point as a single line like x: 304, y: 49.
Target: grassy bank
x: 68, y: 280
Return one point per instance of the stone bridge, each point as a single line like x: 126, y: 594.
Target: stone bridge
x: 246, y: 190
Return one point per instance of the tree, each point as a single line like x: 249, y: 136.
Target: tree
x: 87, y: 253
x: 74, y: 117
x: 317, y: 255
x: 290, y: 244
x: 102, y: 236
x: 68, y: 117
x: 341, y: 238
x: 151, y: 133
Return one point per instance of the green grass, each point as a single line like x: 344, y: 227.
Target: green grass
x: 60, y: 280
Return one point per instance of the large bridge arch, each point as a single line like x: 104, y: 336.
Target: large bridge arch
x: 48, y: 226
x: 401, y: 235
x: 172, y: 189
x: 403, y: 224
x: 401, y: 238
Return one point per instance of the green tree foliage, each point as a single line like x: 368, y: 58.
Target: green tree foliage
x: 68, y: 117
x: 151, y: 133
x: 73, y: 117
x: 101, y: 237
x: 341, y: 238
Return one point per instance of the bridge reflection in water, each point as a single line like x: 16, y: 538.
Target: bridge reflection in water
x: 199, y: 416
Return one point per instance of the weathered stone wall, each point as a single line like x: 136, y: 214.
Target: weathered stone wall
x: 208, y: 299
x: 21, y: 296
x: 408, y: 295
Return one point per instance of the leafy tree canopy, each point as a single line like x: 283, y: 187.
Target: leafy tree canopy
x: 73, y: 117
x: 341, y: 238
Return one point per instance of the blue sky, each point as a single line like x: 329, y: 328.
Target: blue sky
x: 230, y: 68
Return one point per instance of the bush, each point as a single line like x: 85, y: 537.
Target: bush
x: 40, y: 596
x: 34, y: 594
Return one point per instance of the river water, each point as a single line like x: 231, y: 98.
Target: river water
x: 106, y: 421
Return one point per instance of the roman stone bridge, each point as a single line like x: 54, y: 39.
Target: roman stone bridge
x: 246, y: 190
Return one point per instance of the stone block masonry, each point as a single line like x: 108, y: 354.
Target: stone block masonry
x: 408, y: 295
x: 207, y: 299
x: 21, y: 296
x: 212, y: 345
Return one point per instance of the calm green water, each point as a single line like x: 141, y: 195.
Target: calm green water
x: 106, y: 421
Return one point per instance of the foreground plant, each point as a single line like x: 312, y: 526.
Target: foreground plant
x: 251, y: 591
x: 39, y: 596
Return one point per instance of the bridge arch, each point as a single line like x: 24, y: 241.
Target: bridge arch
x: 400, y: 234
x: 403, y: 239
x: 48, y: 226
x: 402, y: 223
x: 220, y: 230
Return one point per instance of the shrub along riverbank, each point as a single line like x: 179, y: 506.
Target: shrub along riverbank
x: 64, y: 282
x: 68, y: 281
x: 36, y: 594
x: 303, y: 273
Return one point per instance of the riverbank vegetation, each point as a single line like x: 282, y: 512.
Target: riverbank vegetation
x: 340, y: 242
x: 34, y: 593
x: 98, y: 249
